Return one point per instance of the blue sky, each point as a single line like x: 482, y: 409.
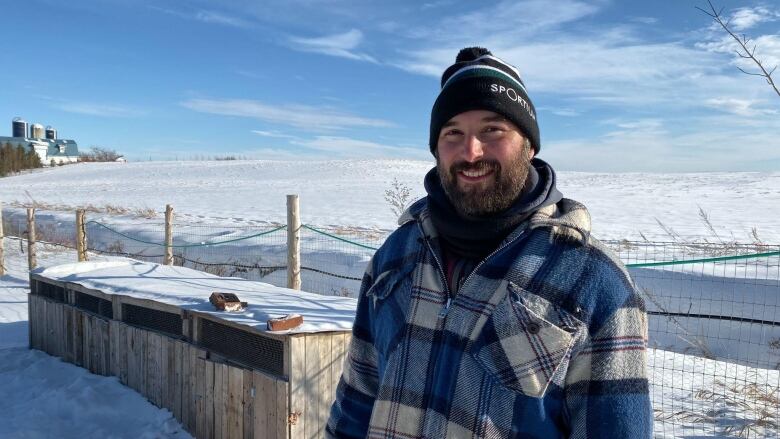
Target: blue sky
x: 618, y: 85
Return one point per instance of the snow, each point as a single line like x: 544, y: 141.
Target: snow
x: 190, y: 289
x: 217, y: 201
x: 351, y: 193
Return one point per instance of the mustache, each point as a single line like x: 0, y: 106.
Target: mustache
x: 481, y: 165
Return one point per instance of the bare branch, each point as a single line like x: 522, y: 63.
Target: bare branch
x: 746, y: 53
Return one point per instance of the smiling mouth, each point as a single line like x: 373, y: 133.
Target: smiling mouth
x: 475, y: 175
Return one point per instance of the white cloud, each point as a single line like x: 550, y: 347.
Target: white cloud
x: 273, y: 134
x: 300, y: 116
x: 658, y: 150
x: 342, y: 45
x: 741, y: 107
x: 219, y: 18
x: 345, y: 147
x: 98, y: 109
x: 645, y: 20
x: 206, y: 16
x: 745, y: 18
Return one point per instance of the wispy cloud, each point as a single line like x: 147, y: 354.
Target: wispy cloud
x: 342, y: 45
x: 273, y: 134
x: 345, y: 147
x: 745, y: 18
x: 98, y: 109
x: 206, y: 16
x: 300, y: 116
x: 644, y: 20
x: 707, y: 146
x: 741, y: 107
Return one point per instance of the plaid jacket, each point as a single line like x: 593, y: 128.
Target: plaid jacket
x: 546, y: 339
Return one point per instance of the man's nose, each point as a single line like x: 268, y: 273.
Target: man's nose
x: 473, y: 149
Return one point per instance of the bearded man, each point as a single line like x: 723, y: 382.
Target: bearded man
x: 491, y: 311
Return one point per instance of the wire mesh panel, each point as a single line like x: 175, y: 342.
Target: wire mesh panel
x: 166, y: 322
x: 95, y: 305
x: 49, y: 291
x: 333, y: 260
x: 248, y: 348
x: 714, y: 334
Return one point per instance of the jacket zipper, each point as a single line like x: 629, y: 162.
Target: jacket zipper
x: 445, y: 310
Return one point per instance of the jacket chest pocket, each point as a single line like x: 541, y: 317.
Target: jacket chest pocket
x: 390, y: 295
x: 526, y: 342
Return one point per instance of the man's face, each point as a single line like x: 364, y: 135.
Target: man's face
x: 483, y: 162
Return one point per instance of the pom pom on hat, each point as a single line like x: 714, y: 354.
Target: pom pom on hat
x: 471, y: 53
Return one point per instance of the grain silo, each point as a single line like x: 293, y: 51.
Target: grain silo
x: 19, y: 127
x: 51, y: 133
x: 36, y: 131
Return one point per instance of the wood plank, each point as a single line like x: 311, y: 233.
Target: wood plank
x: 32, y: 317
x: 121, y: 353
x: 297, y: 383
x: 324, y: 378
x: 312, y: 387
x: 113, y: 328
x: 248, y: 404
x: 186, y: 390
x: 283, y: 427
x: 193, y: 382
x: 200, y: 398
x: 261, y: 405
x: 45, y: 325
x: 219, y: 401
x: 165, y: 380
x: 235, y: 405
x: 153, y: 383
x: 339, y: 344
x: 177, y: 378
x: 209, y: 397
x: 87, y: 343
x: 106, y: 335
x: 78, y: 338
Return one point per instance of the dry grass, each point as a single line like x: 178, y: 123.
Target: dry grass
x: 108, y: 209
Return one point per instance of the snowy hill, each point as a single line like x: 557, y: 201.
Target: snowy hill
x: 351, y: 192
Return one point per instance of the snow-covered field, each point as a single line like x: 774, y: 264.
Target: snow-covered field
x: 351, y: 193
x: 695, y: 396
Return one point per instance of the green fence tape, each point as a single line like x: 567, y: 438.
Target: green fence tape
x: 698, y: 261
x: 205, y: 244
x: 304, y: 226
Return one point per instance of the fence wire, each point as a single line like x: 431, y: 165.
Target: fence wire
x: 713, y: 308
x: 714, y: 336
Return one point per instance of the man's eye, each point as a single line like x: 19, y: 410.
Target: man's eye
x: 450, y: 133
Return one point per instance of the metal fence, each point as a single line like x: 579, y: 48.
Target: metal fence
x: 714, y: 316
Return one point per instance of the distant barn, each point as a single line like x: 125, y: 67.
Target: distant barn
x: 44, y: 142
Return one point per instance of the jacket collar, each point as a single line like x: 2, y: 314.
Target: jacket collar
x: 567, y: 218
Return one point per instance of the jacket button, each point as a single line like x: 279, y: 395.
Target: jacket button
x: 533, y: 328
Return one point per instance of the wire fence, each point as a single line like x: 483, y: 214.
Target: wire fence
x: 713, y: 308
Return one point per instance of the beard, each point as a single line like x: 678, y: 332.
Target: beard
x: 491, y: 197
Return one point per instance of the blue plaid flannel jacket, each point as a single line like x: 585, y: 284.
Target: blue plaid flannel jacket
x: 547, y: 338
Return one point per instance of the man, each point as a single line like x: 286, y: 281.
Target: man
x: 491, y: 311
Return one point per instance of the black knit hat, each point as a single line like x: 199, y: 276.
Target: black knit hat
x: 480, y: 81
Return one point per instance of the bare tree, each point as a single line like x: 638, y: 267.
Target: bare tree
x: 744, y: 51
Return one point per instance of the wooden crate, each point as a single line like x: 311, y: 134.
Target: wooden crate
x: 214, y: 388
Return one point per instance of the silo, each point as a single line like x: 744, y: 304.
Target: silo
x: 36, y: 131
x: 51, y: 133
x: 19, y: 127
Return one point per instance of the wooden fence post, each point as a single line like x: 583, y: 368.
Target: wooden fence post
x: 2, y: 255
x: 81, y: 236
x: 168, y: 235
x: 31, y: 262
x: 293, y: 243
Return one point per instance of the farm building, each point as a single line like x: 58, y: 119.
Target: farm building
x: 43, y: 141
